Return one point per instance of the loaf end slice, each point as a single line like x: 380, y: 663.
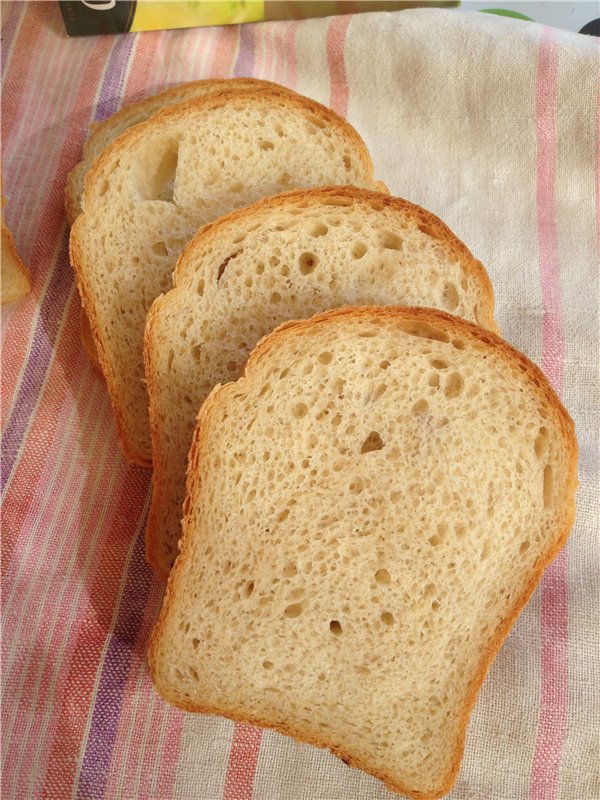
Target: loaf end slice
x: 369, y: 508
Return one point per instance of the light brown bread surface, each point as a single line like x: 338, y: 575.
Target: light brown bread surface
x: 368, y: 510
x: 105, y: 132
x: 159, y: 182
x: 15, y: 279
x: 283, y: 258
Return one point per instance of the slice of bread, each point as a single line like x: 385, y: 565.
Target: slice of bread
x: 283, y: 258
x: 104, y: 133
x: 368, y: 510
x: 150, y: 191
x: 15, y: 279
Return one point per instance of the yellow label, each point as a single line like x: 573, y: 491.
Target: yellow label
x: 158, y: 16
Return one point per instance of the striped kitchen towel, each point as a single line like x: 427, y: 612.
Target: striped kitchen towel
x: 491, y: 123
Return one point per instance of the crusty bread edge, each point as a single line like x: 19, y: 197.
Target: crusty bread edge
x: 170, y: 98
x: 127, y: 139
x: 9, y: 241
x: 88, y: 343
x: 218, y: 99
x: 435, y: 227
x: 88, y: 308
x: 454, y: 325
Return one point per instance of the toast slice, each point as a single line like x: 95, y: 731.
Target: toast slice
x: 151, y: 190
x: 283, y: 258
x: 104, y: 133
x: 368, y: 510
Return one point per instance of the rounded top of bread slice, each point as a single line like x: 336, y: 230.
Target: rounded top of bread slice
x: 150, y: 191
x: 369, y: 508
x: 225, y: 109
x: 284, y: 257
x: 105, y: 132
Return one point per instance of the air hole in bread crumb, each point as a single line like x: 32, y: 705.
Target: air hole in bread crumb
x: 390, y: 241
x: 195, y: 643
x: 384, y: 364
x: 200, y: 287
x: 420, y: 407
x: 318, y: 229
x: 485, y: 550
x: 363, y: 670
x: 294, y: 610
x: 439, y: 363
x: 383, y: 577
x: 450, y: 296
x: 458, y: 344
x: 454, y: 385
x: 434, y: 380
x: 434, y: 540
x: 372, y: 442
x: 300, y: 410
x: 290, y: 570
x: 347, y: 163
x: 387, y: 618
x: 541, y: 442
x: 170, y: 359
x: 429, y: 590
x: 268, y: 664
x: 358, y: 249
x: 196, y: 352
x: 524, y: 546
x: 179, y: 674
x: 435, y: 605
x: 159, y: 249
x: 424, y: 331
x: 356, y: 486
x: 460, y: 529
x: 307, y: 263
x: 260, y: 268
x: 158, y: 182
x: 194, y: 674
x: 335, y: 627
x: 224, y: 263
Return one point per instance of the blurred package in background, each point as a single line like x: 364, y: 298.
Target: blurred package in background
x: 92, y: 17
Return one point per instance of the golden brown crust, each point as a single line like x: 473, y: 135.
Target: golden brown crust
x: 426, y: 220
x: 130, y: 112
x: 452, y: 325
x: 107, y: 371
x: 88, y: 344
x: 157, y: 499
x: 218, y: 99
x: 24, y: 284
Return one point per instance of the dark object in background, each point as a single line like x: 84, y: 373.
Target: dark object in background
x: 592, y: 28
x: 93, y: 17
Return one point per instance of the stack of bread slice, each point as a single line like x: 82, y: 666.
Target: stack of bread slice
x: 376, y: 480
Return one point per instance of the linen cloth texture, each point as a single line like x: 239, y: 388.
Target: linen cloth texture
x: 490, y: 123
